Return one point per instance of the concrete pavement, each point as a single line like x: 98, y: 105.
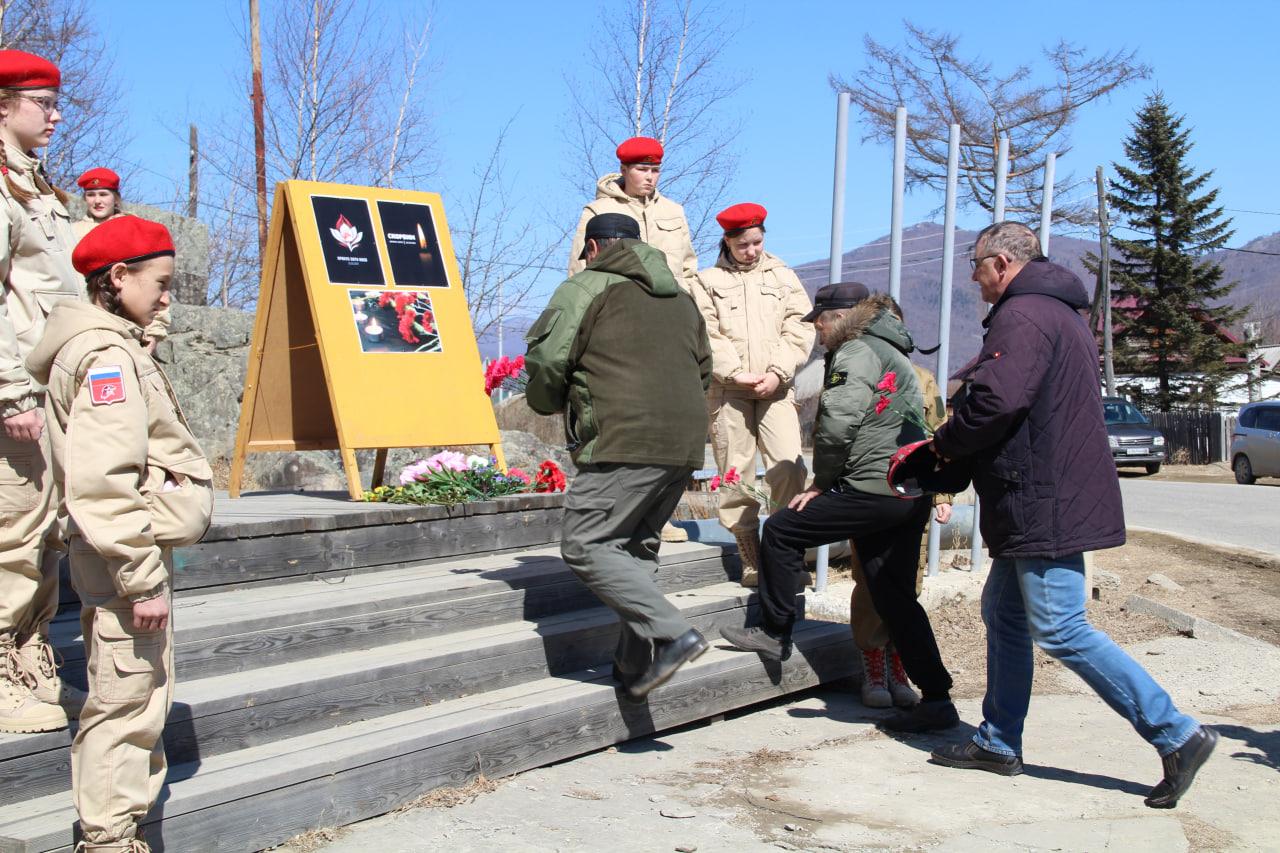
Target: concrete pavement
x: 1243, y: 516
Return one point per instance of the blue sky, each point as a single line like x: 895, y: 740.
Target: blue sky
x: 177, y: 63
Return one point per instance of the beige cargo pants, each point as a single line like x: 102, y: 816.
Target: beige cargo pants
x: 117, y: 758
x: 739, y: 427
x: 29, y: 535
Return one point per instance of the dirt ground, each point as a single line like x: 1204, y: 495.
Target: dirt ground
x: 1235, y: 591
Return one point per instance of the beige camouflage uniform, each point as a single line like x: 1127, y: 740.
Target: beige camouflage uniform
x: 754, y: 320
x: 35, y: 262
x: 137, y: 484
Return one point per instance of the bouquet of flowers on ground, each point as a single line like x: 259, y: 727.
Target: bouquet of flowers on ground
x: 733, y: 480
x: 450, y: 477
x: 505, y: 373
x: 888, y: 387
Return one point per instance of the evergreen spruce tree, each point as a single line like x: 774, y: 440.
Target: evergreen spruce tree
x: 1171, y: 331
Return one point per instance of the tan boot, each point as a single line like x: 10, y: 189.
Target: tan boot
x: 904, y: 696
x: 127, y: 845
x: 749, y: 554
x: 20, y: 711
x: 41, y: 669
x: 874, y: 691
x: 671, y: 533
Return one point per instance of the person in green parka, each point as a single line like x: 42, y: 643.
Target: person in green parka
x: 622, y: 351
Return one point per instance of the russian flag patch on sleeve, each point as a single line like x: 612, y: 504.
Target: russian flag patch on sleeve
x: 106, y: 385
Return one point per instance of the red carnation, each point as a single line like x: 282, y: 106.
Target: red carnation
x: 406, y: 326
x: 550, y: 478
x: 889, y: 383
x: 732, y: 476
x: 881, y: 405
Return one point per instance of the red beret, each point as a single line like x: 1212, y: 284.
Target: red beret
x: 743, y: 215
x: 20, y: 70
x: 123, y: 240
x: 640, y: 149
x: 100, y: 178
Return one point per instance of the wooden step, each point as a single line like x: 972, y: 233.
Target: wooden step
x: 262, y: 539
x: 223, y: 713
x: 252, y: 798
x: 242, y: 629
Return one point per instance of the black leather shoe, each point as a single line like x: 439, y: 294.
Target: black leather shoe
x: 623, y: 677
x: 668, y: 656
x: 924, y: 717
x: 1180, y: 768
x: 759, y: 639
x: 967, y: 755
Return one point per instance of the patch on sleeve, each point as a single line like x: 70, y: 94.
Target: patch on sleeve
x: 106, y: 385
x: 836, y: 379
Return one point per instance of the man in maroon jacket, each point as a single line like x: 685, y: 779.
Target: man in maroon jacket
x: 1031, y: 428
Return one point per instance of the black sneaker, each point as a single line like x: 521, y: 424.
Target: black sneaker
x: 926, y: 717
x: 967, y: 755
x: 1180, y: 768
x: 759, y: 639
x: 668, y: 656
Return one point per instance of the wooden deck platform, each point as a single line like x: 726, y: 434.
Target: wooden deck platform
x: 336, y: 660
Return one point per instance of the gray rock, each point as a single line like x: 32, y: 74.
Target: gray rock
x: 1165, y: 582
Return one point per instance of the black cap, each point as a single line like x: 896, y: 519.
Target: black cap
x: 608, y: 226
x: 846, y: 294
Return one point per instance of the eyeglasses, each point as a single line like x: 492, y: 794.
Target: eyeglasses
x: 44, y: 102
x: 973, y: 262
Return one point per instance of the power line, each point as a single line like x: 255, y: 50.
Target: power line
x: 1263, y: 212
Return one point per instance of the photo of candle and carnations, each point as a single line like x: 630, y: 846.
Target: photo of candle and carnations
x: 394, y: 321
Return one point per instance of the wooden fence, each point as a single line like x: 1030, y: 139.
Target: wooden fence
x: 1194, y: 437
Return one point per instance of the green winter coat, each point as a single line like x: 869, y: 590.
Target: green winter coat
x: 852, y: 444
x: 622, y: 350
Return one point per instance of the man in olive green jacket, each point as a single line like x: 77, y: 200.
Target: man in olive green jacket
x: 867, y: 388
x: 622, y: 350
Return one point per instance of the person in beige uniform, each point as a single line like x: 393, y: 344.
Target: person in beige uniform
x: 633, y: 190
x: 35, y: 263
x: 136, y: 485
x: 754, y: 307
x: 103, y: 201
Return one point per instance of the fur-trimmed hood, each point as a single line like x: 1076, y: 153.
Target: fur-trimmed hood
x: 872, y: 316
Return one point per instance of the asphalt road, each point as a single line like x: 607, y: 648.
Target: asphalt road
x: 1246, y: 516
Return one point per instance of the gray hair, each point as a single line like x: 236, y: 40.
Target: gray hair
x: 1014, y: 240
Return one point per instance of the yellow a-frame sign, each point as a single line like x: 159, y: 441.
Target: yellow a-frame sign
x: 362, y: 337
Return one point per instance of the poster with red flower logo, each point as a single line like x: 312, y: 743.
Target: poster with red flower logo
x: 347, y: 240
x: 395, y: 321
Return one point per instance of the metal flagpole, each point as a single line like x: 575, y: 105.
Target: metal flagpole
x: 997, y: 215
x: 1046, y: 203
x: 944, y: 304
x: 835, y: 269
x: 895, y: 218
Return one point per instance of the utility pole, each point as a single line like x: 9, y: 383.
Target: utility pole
x: 259, y: 128
x: 1104, y: 280
x: 193, y: 174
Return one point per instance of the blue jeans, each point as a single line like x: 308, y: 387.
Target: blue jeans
x: 1043, y: 600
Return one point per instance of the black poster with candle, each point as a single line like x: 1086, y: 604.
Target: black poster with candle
x: 412, y: 246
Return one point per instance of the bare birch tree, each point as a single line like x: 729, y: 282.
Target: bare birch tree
x: 940, y: 87
x: 344, y: 103
x: 93, y: 131
x: 500, y: 254
x: 654, y: 69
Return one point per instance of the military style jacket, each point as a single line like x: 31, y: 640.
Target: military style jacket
x: 134, y: 477
x: 35, y: 263
x: 662, y: 226
x: 754, y: 321
x: 852, y: 441
x: 622, y: 351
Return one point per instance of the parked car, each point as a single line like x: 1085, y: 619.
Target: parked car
x: 1134, y: 441
x: 1255, y: 444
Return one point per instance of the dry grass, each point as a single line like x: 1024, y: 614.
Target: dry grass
x: 447, y: 798
x: 309, y: 842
